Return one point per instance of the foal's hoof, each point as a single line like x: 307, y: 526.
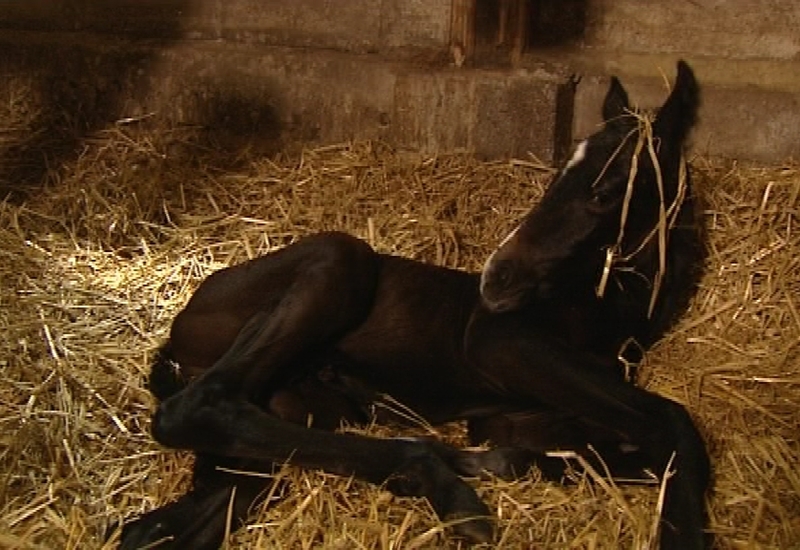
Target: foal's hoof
x: 145, y: 534
x: 460, y: 507
x: 476, y: 530
x: 194, y: 521
x: 453, y: 500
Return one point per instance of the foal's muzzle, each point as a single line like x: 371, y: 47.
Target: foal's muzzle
x: 502, y: 288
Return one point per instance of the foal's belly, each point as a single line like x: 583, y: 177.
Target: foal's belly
x: 411, y: 346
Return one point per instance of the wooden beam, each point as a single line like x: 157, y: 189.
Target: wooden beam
x: 462, y: 31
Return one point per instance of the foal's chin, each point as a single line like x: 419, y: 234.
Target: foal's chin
x: 511, y: 300
x: 499, y: 306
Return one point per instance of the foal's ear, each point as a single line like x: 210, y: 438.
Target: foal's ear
x: 616, y: 103
x: 679, y: 112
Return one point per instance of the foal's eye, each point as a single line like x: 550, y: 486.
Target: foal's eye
x: 602, y: 196
x: 607, y: 192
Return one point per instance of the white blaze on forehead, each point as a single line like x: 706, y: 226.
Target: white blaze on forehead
x: 577, y: 156
x: 492, y: 255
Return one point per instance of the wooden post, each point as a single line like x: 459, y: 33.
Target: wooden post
x: 462, y: 31
x: 520, y: 32
x: 512, y: 28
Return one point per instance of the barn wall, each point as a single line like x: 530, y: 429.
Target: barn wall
x: 733, y: 29
x: 746, y: 54
x: 328, y: 70
x: 310, y: 70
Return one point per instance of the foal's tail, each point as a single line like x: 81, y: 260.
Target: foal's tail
x: 165, y: 378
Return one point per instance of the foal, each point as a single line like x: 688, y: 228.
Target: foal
x: 529, y: 352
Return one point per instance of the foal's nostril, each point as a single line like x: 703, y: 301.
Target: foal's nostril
x: 503, y: 274
x: 498, y: 285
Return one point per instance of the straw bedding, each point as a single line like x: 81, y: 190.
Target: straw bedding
x: 97, y: 262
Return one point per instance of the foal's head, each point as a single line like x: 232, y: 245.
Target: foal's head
x: 611, y: 205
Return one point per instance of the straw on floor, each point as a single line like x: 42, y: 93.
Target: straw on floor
x: 96, y: 264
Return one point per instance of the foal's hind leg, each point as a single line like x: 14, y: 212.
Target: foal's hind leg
x: 200, y: 518
x: 296, y: 304
x: 241, y: 329
x: 286, y: 309
x: 247, y: 324
x: 237, y: 428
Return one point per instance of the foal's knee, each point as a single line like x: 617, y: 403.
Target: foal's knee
x: 198, y: 410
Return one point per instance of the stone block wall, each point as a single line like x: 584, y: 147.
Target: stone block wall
x: 328, y: 70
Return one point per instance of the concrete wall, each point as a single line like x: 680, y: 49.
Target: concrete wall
x: 351, y: 25
x: 742, y: 120
x: 733, y: 29
x: 328, y: 70
x: 746, y: 54
x: 267, y: 72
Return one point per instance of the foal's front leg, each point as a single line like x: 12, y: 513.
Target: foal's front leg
x: 522, y: 363
x: 541, y: 430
